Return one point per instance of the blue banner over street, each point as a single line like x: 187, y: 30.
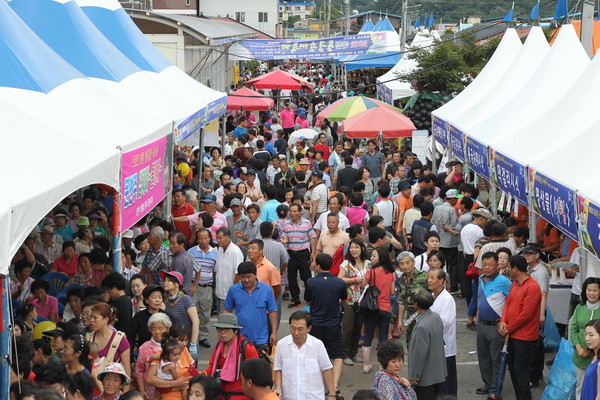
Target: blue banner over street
x: 510, y: 176
x: 457, y: 142
x: 333, y: 47
x: 193, y: 123
x: 440, y: 131
x: 477, y: 157
x: 555, y: 203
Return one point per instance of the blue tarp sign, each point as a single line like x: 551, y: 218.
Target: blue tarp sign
x: 510, y: 176
x: 384, y: 93
x: 589, y: 215
x: 196, y: 121
x: 440, y: 131
x: 477, y: 157
x: 555, y: 203
x: 457, y: 142
x: 333, y: 47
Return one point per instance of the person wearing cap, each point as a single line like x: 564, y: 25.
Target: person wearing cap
x: 113, y: 379
x: 48, y: 245
x: 445, y: 220
x: 181, y: 307
x: 68, y: 262
x: 202, y: 288
x: 210, y: 207
x: 536, y: 268
x: 253, y: 303
x: 180, y: 209
x: 521, y: 321
x: 62, y: 229
x: 302, y: 121
x: 231, y: 343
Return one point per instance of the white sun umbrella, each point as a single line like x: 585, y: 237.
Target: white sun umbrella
x: 306, y: 133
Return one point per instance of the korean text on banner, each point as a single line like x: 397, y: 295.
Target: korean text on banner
x: 477, y: 157
x: 193, y: 123
x: 142, y: 181
x: 457, y: 142
x: 589, y: 215
x: 261, y: 49
x: 510, y: 176
x: 555, y: 203
x: 440, y: 131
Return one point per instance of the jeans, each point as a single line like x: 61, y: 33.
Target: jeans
x: 519, y: 357
x: 472, y: 311
x: 452, y: 261
x: 382, y: 320
x: 299, y: 262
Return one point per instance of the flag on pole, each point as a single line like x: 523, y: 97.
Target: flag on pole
x: 509, y: 16
x: 535, y: 12
x: 561, y: 10
x: 417, y: 23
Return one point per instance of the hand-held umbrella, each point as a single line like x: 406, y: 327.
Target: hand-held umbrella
x: 502, y: 367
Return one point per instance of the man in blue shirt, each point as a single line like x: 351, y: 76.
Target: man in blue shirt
x: 269, y: 209
x: 241, y: 128
x: 493, y: 289
x: 254, y: 305
x: 373, y: 160
x: 323, y: 293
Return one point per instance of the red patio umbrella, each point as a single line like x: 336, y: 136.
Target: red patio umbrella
x: 280, y: 80
x: 248, y: 99
x: 368, y: 124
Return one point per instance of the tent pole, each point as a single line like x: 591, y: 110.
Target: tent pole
x: 584, y: 260
x: 5, y: 338
x: 201, y: 164
x: 532, y: 223
x: 223, y: 135
x: 493, y: 195
x: 116, y: 244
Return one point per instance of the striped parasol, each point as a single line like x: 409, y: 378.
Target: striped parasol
x: 351, y: 106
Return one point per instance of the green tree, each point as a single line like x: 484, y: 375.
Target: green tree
x: 447, y: 68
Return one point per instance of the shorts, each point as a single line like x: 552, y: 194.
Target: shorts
x: 331, y: 336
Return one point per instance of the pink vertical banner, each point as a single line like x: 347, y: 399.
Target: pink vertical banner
x: 142, y: 181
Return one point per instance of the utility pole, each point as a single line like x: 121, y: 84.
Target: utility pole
x: 587, y: 25
x: 403, y: 26
x: 328, y: 18
x: 347, y: 3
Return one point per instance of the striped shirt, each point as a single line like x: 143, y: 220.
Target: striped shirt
x: 298, y: 236
x: 275, y: 252
x: 205, y: 263
x: 157, y: 262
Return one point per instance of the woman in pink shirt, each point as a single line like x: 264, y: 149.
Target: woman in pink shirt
x: 45, y: 305
x: 356, y: 214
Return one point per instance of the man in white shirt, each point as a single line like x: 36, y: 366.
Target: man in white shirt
x: 302, y: 366
x: 228, y: 259
x: 469, y: 234
x: 334, y: 207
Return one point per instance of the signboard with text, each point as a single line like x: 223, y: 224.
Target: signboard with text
x: 554, y: 202
x: 194, y: 122
x: 144, y: 174
x: 510, y: 176
x: 440, y: 131
x: 266, y: 49
x: 589, y: 215
x: 457, y: 142
x: 477, y: 157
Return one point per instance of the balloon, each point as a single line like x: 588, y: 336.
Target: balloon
x: 43, y: 327
x: 184, y: 169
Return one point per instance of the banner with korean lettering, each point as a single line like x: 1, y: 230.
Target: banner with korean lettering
x: 510, y: 176
x: 333, y: 47
x: 194, y: 122
x: 143, y: 175
x: 589, y: 217
x: 457, y: 142
x: 554, y: 202
x: 440, y: 131
x: 477, y: 157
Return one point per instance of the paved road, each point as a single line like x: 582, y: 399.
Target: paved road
x: 468, y: 370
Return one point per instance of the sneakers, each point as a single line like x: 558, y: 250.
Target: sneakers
x: 294, y: 304
x: 472, y: 326
x: 357, y: 360
x: 348, y: 362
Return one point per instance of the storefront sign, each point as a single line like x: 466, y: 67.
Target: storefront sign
x: 457, y: 142
x: 589, y: 215
x: 510, y: 176
x: 440, y: 131
x: 477, y: 157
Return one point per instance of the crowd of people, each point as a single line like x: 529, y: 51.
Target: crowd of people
x: 369, y: 245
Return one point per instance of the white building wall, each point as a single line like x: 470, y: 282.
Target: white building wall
x: 251, y: 10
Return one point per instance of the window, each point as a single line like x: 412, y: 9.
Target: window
x: 263, y: 17
x: 240, y: 16
x: 297, y: 8
x: 187, y: 3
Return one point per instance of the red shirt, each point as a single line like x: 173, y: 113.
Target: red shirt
x: 383, y: 281
x: 67, y: 267
x: 325, y: 150
x: 184, y: 227
x: 522, y: 310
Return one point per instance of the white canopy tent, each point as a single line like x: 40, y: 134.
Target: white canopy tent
x: 502, y: 59
x: 516, y: 77
x: 389, y: 88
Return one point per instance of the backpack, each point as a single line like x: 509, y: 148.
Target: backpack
x: 247, y: 342
x: 338, y: 259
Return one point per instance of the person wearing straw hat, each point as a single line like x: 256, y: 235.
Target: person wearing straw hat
x: 225, y: 360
